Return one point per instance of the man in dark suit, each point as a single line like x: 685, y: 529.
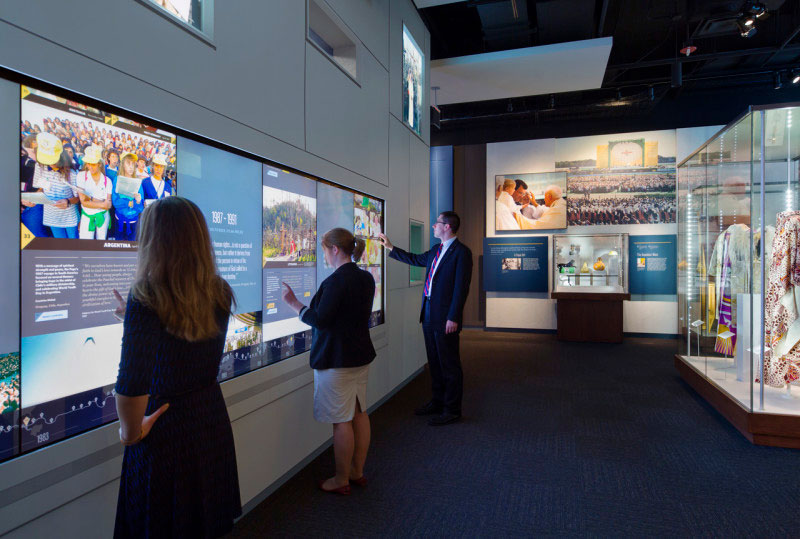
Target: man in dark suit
x: 448, y: 273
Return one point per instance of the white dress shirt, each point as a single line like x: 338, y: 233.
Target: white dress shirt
x: 445, y: 245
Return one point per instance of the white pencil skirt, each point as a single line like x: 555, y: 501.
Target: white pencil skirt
x: 336, y: 391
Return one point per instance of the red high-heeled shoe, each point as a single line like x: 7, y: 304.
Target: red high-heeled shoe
x: 344, y: 491
x: 361, y: 481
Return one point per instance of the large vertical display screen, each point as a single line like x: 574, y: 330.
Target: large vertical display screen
x: 86, y: 175
x: 227, y: 188
x: 340, y: 208
x: 289, y: 254
x: 367, y: 225
x: 82, y: 182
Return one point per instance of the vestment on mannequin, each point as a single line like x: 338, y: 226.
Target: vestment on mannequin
x: 781, y: 312
x: 730, y: 264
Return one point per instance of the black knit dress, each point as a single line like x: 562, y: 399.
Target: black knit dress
x: 180, y: 480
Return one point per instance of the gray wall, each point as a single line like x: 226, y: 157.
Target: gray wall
x: 260, y: 87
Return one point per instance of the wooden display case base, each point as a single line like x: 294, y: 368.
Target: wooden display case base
x: 775, y: 430
x: 589, y: 317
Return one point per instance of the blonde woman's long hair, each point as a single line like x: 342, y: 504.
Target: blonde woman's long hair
x: 176, y: 274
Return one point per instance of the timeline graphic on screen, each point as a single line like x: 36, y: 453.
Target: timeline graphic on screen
x: 86, y: 175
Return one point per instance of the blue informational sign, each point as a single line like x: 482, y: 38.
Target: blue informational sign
x: 515, y: 264
x: 653, y: 264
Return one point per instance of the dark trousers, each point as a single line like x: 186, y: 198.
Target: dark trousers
x: 444, y: 361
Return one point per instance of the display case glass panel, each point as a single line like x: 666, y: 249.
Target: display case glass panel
x: 590, y: 263
x: 737, y: 207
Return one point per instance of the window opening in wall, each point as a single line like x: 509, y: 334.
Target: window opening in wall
x: 197, y: 16
x: 416, y: 233
x: 317, y: 39
x: 330, y: 35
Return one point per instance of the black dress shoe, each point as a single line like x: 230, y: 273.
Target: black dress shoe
x: 445, y: 419
x: 428, y: 409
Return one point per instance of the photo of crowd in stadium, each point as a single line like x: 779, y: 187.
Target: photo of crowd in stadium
x: 625, y: 179
x: 86, y: 173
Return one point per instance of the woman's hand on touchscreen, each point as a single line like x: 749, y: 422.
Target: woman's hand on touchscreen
x: 119, y: 311
x: 290, y: 299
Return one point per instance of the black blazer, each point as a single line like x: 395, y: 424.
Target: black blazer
x: 339, y: 315
x: 450, y: 282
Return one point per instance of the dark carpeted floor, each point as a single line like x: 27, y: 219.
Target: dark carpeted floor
x: 558, y: 439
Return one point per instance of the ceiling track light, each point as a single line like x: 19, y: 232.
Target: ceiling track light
x: 778, y: 80
x: 745, y: 29
x: 795, y: 76
x: 756, y: 9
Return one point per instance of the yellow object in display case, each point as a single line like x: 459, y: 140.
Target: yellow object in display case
x: 599, y: 265
x: 585, y: 268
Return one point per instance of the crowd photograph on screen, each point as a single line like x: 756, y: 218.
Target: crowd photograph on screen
x: 85, y: 173
x: 533, y: 201
x: 624, y: 179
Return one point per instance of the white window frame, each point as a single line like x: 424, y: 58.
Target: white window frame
x: 205, y: 35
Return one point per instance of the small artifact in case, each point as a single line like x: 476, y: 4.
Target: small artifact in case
x: 599, y: 266
x: 585, y: 267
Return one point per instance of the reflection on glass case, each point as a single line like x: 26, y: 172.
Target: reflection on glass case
x: 738, y: 263
x: 591, y: 263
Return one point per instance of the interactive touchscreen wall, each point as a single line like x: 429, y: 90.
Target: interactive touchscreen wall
x: 78, y: 226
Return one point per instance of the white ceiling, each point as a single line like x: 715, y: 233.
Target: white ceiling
x: 549, y: 69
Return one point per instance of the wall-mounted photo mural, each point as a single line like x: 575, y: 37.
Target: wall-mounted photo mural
x: 625, y: 179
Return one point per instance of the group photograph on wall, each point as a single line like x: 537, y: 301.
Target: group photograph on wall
x: 534, y: 201
x: 623, y: 179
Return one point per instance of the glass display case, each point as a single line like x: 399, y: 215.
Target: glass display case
x: 590, y: 263
x: 738, y: 265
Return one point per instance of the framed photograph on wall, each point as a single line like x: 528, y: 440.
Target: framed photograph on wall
x: 535, y: 201
x: 413, y: 79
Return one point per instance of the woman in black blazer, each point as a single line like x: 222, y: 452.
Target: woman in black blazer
x: 340, y: 354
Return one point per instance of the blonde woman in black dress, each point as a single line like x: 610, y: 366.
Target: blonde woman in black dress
x: 179, y: 476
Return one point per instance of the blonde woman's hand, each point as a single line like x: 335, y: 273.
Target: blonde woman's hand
x: 147, y: 424
x: 119, y: 312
